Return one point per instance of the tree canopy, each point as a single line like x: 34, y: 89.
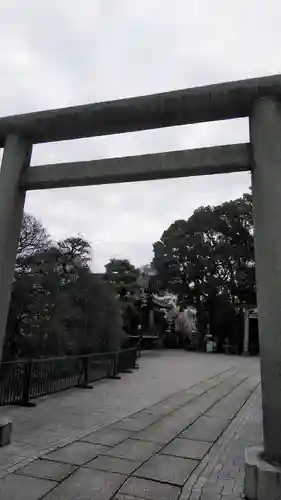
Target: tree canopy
x: 122, y: 275
x: 208, y: 260
x: 58, y: 305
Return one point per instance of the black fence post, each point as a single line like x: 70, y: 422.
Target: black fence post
x: 139, y: 349
x: 85, y: 361
x: 114, y: 366
x: 135, y: 356
x: 126, y: 364
x: 26, y: 383
x: 22, y: 381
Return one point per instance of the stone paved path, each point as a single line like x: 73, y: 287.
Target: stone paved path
x: 63, y: 417
x: 220, y: 475
x: 184, y: 439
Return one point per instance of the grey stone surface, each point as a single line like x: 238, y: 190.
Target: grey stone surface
x: 177, y: 402
x: 214, y: 160
x: 170, y: 424
x: 107, y: 437
x: 210, y: 496
x: 149, y: 490
x: 228, y: 407
x: 167, y: 468
x: 223, y: 468
x: 135, y: 423
x: 220, y: 101
x: 16, y: 487
x: 193, y: 495
x: 5, y: 431
x: 262, y: 480
x: 201, y: 405
x: 205, y: 429
x: 182, y: 398
x: 163, y: 408
x: 187, y: 448
x: 163, y: 430
x: 133, y: 450
x: 114, y: 464
x: 86, y: 484
x: 229, y: 487
x: 15, y: 161
x: 45, y: 469
x: 77, y: 453
x: 62, y: 418
x: 213, y: 487
x: 160, y: 432
x: 188, y: 412
x: 231, y: 497
x: 147, y: 413
x: 120, y: 496
x: 265, y: 129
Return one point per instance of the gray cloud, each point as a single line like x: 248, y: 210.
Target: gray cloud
x: 63, y: 53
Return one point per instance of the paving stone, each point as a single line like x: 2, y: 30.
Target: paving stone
x: 237, y: 490
x: 167, y: 468
x: 45, y: 469
x: 190, y: 495
x: 231, y: 472
x: 77, y: 453
x: 226, y: 407
x: 205, y: 429
x: 133, y: 449
x: 229, y: 405
x: 213, y: 487
x: 187, y: 448
x: 228, y: 487
x: 17, y: 487
x: 210, y: 496
x: 201, y: 481
x: 145, y: 413
x: 114, y: 464
x: 162, y: 408
x: 135, y: 423
x: 86, y: 484
x: 69, y: 414
x: 149, y: 490
x: 187, y: 413
x: 202, y: 387
x: 5, y: 431
x: 162, y: 431
x: 182, y: 398
x: 231, y: 497
x: 107, y: 437
x: 120, y: 496
x: 157, y: 433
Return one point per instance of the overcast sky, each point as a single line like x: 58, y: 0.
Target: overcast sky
x: 56, y: 53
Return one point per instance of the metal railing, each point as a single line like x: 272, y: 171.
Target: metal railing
x: 23, y: 380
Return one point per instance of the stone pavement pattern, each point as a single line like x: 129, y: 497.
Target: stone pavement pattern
x: 61, y: 418
x: 177, y: 447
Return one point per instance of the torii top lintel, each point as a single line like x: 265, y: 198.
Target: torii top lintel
x: 220, y: 101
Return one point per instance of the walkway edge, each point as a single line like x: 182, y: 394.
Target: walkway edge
x: 200, y: 476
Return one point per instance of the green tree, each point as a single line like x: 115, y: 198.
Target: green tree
x: 122, y: 275
x: 208, y: 260
x: 95, y: 317
x: 58, y: 305
x: 124, y: 278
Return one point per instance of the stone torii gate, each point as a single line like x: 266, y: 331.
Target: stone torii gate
x: 259, y: 99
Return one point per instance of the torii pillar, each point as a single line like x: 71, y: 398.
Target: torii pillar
x: 263, y: 467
